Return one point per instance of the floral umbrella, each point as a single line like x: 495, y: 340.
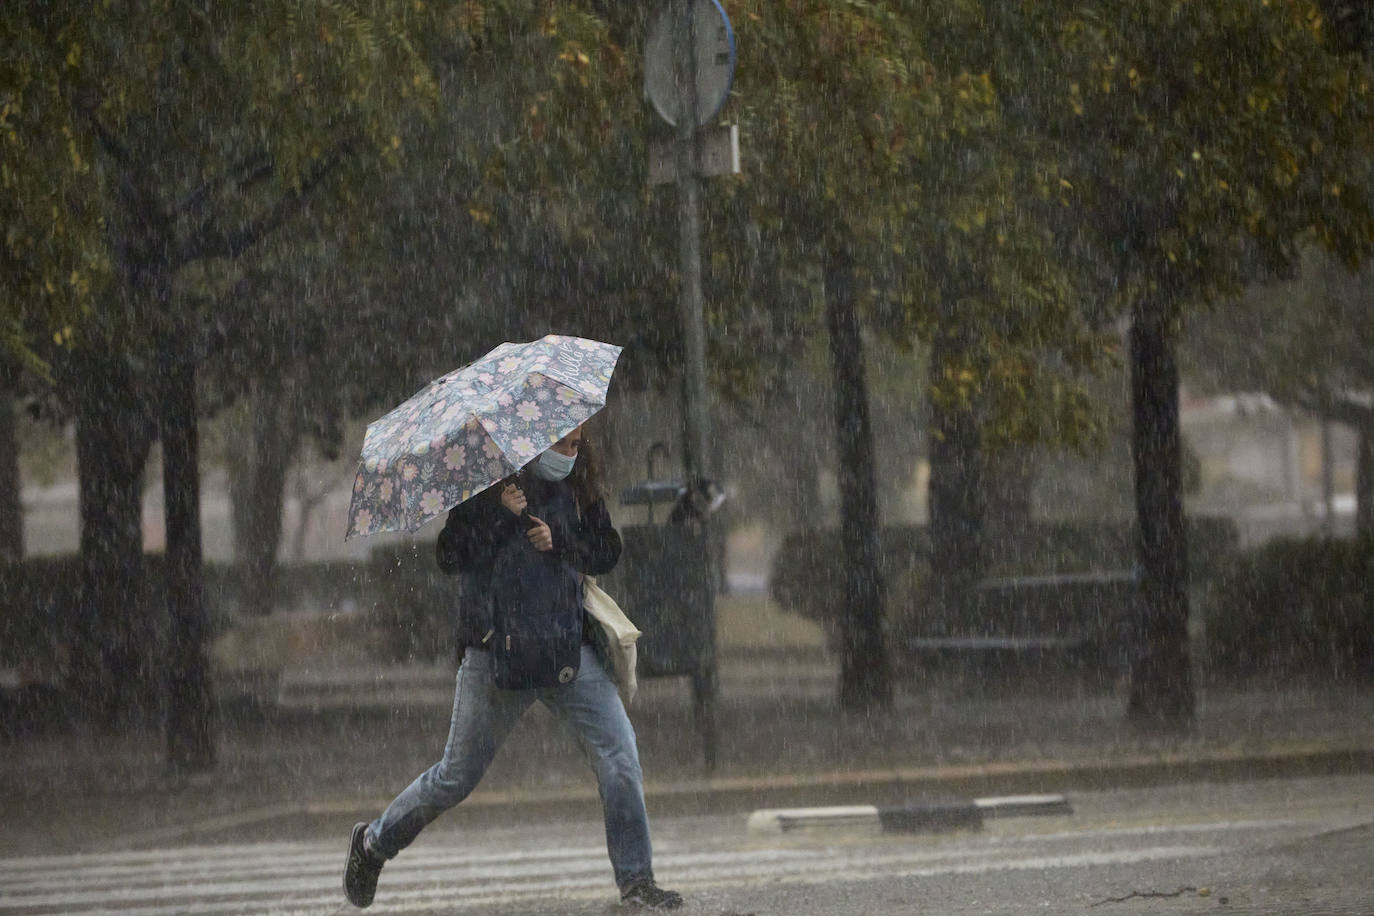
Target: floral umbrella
x: 468, y: 430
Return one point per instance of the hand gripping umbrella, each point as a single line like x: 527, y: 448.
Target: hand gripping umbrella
x: 473, y: 427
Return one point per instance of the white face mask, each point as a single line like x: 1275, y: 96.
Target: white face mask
x: 552, y: 465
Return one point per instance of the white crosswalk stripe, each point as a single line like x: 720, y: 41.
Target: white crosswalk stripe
x: 304, y: 878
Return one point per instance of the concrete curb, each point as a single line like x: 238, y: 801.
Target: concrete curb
x: 876, y: 789
x: 897, y: 787
x: 911, y: 817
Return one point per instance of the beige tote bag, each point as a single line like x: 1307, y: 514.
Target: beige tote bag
x: 618, y: 633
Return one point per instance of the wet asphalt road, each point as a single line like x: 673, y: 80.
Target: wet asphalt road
x: 1268, y: 846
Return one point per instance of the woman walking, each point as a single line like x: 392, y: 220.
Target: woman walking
x: 527, y: 542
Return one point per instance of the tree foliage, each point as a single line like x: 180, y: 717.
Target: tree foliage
x: 859, y: 120
x: 359, y: 192
x: 1200, y: 144
x: 152, y: 157
x: 191, y: 127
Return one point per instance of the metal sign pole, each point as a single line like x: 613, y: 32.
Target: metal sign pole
x: 688, y: 87
x: 695, y: 406
x: 689, y: 244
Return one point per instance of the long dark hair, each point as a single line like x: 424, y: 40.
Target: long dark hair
x: 588, y: 474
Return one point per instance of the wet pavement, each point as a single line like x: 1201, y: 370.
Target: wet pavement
x: 339, y: 743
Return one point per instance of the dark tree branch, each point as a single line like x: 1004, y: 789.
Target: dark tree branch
x: 213, y: 240
x: 230, y: 317
x: 1132, y: 222
x: 112, y: 145
x: 250, y: 169
x: 140, y: 250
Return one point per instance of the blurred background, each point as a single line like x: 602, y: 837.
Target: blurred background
x: 1027, y: 330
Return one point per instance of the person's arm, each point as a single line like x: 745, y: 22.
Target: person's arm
x: 474, y: 531
x: 596, y: 545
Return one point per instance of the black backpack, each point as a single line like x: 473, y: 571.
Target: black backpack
x: 536, y: 618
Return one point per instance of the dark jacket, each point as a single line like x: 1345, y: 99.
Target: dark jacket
x: 480, y: 529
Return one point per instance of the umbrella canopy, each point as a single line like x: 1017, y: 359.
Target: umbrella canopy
x: 467, y: 430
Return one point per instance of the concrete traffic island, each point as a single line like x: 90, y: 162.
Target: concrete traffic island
x: 911, y: 817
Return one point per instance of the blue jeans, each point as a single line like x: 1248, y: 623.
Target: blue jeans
x: 483, y: 715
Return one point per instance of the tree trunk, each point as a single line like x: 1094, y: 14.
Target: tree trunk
x: 865, y: 682
x: 258, y: 487
x: 1364, y: 480
x: 1161, y: 693
x: 11, y: 483
x: 799, y: 453
x: 190, y: 744
x: 309, y: 499
x: 110, y: 654
x: 955, y: 497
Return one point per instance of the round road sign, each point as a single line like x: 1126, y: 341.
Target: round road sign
x: 715, y: 47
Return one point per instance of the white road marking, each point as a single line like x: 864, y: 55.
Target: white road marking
x: 304, y: 878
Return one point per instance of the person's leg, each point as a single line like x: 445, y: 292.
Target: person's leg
x: 591, y: 705
x: 483, y: 716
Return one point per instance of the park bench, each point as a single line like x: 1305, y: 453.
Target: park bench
x: 1077, y: 622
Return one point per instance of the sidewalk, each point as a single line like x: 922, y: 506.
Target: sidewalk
x: 342, y: 742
